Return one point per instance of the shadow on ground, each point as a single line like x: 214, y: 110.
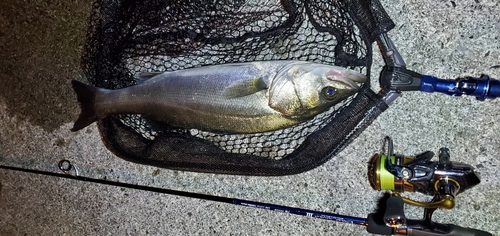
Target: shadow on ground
x: 40, y: 48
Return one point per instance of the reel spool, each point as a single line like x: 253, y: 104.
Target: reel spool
x: 381, y: 179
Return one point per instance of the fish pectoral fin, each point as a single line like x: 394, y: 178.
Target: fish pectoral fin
x: 145, y: 76
x: 244, y: 88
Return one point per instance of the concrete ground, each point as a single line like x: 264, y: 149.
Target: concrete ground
x: 40, y: 45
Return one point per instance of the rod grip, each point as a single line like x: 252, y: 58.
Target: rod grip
x: 454, y: 230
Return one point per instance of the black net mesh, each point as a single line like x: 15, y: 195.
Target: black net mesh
x: 129, y: 37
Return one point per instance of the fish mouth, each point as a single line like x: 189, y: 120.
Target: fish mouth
x: 354, y: 84
x: 349, y: 77
x: 355, y: 76
x: 354, y: 79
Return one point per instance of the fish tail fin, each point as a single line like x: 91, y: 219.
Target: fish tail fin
x: 86, y: 97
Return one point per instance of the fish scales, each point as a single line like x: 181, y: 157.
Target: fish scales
x: 233, y: 98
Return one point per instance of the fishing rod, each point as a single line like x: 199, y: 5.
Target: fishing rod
x: 443, y: 179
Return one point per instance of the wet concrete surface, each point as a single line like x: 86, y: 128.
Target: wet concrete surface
x: 40, y: 49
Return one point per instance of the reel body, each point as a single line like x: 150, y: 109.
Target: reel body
x: 442, y: 179
x: 419, y: 174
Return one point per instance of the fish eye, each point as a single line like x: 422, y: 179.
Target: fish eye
x: 329, y: 92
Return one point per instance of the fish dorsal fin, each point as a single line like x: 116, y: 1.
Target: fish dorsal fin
x: 145, y: 76
x: 244, y: 88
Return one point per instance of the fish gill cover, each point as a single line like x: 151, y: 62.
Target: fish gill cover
x: 126, y: 38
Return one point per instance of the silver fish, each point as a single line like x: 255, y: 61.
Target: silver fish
x: 250, y: 97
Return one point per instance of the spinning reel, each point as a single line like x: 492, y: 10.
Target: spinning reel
x: 442, y: 179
